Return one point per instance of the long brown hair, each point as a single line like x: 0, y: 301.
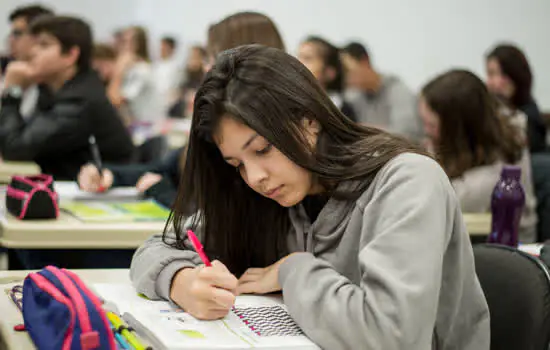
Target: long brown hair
x: 471, y: 131
x: 141, y: 42
x: 243, y: 28
x: 514, y: 64
x: 330, y: 55
x: 270, y: 92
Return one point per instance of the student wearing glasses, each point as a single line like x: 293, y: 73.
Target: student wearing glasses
x: 20, y: 44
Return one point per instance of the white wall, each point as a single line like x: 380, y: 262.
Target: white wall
x: 414, y: 39
x: 104, y: 15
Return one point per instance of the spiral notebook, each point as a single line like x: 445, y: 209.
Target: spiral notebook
x: 255, y: 322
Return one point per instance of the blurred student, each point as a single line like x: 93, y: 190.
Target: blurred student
x: 132, y: 88
x: 265, y: 33
x: 167, y: 72
x: 194, y: 65
x: 379, y: 100
x: 117, y: 40
x: 20, y: 40
x: 104, y: 61
x: 509, y: 77
x: 20, y: 44
x: 72, y: 104
x: 323, y: 60
x: 473, y: 142
x: 193, y: 74
x: 159, y: 180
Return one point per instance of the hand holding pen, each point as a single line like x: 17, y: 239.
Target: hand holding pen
x: 90, y: 180
x: 93, y: 177
x: 206, y: 292
x: 96, y: 160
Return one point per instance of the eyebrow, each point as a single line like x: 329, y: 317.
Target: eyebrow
x: 246, y: 144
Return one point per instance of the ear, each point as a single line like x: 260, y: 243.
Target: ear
x: 72, y: 55
x: 311, y: 129
x: 311, y: 126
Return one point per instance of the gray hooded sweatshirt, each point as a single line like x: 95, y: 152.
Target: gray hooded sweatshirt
x: 393, y: 269
x: 392, y: 108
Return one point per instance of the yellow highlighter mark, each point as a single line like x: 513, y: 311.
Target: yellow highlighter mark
x: 143, y: 296
x: 192, y: 334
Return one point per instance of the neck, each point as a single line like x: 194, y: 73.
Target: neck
x: 316, y: 189
x: 59, y: 80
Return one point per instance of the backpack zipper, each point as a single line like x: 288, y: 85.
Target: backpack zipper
x: 15, y: 193
x: 89, y: 339
x: 96, y: 302
x: 45, y: 285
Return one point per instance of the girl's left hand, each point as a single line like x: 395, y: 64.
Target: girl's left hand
x: 261, y: 280
x: 147, y: 181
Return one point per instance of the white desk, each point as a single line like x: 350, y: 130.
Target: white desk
x: 69, y: 232
x: 8, y: 169
x: 478, y: 224
x: 11, y: 315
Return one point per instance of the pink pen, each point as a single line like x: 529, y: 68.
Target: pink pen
x: 198, y: 247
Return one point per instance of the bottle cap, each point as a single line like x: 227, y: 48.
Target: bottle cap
x: 511, y: 172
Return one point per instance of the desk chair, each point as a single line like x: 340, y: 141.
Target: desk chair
x: 540, y: 163
x: 517, y: 289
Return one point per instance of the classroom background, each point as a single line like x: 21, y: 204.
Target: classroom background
x: 118, y: 164
x: 412, y: 39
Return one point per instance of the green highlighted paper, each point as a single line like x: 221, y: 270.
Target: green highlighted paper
x: 192, y: 333
x: 94, y: 211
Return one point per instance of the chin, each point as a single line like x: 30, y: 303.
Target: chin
x: 287, y: 202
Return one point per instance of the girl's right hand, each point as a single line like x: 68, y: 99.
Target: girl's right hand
x: 206, y: 293
x: 90, y: 181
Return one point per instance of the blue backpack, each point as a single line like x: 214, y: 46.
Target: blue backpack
x: 60, y: 312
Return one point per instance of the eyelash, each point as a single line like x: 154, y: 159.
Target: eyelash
x: 265, y: 150
x: 261, y: 152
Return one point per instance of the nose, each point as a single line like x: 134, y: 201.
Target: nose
x: 255, y: 175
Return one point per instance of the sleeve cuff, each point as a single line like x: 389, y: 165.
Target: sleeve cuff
x: 163, y: 186
x: 164, y: 280
x: 292, y: 264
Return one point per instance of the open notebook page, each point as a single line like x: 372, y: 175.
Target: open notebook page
x: 256, y: 322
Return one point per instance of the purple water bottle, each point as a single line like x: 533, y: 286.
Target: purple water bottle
x: 507, y: 204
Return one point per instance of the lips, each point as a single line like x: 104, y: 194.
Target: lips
x: 273, y: 192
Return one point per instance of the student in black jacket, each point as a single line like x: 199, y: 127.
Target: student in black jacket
x: 72, y: 104
x: 157, y: 180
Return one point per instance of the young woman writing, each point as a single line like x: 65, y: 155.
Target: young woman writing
x: 361, y: 232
